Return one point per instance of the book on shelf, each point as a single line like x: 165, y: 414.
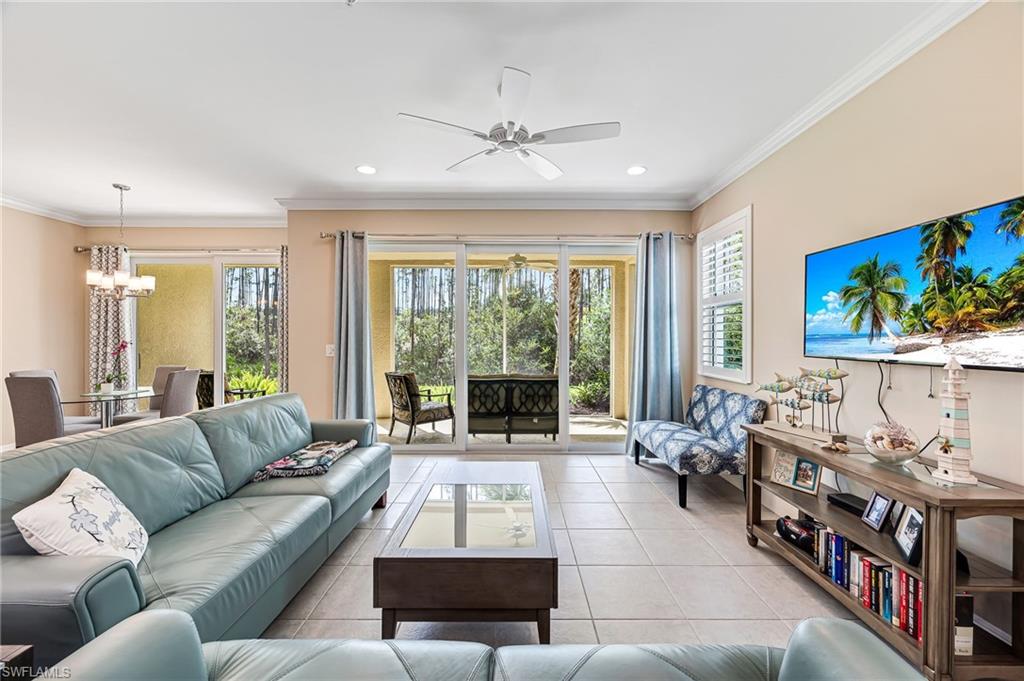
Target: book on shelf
x: 963, y: 625
x: 874, y: 582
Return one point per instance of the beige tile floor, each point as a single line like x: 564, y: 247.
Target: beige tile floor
x: 633, y: 566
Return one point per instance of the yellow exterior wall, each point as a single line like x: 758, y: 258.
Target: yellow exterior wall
x: 175, y: 325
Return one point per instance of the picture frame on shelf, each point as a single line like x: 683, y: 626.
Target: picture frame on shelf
x: 877, y: 511
x: 894, y: 516
x: 807, y: 476
x: 796, y: 472
x: 908, y: 535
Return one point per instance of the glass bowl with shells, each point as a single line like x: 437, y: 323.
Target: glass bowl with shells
x: 892, y: 443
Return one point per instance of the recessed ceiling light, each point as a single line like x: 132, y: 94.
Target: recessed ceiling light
x: 636, y: 170
x: 366, y: 170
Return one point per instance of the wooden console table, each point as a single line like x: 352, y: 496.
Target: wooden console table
x: 942, y: 506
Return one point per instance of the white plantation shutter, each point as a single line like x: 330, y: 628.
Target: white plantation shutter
x: 724, y: 309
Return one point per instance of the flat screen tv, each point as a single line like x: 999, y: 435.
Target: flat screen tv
x: 920, y: 295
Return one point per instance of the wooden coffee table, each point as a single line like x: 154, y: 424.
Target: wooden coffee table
x: 474, y: 546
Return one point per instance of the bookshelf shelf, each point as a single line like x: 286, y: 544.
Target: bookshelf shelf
x: 988, y: 577
x: 942, y: 506
x: 907, y: 646
x: 847, y: 524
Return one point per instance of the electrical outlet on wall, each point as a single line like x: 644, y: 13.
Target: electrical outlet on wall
x: 329, y: 350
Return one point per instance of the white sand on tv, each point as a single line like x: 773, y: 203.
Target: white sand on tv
x: 995, y: 348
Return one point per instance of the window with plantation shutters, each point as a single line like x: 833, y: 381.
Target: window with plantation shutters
x: 723, y: 323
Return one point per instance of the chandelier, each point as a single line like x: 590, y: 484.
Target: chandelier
x: 119, y: 284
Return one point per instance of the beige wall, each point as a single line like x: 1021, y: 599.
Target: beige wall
x: 942, y: 133
x: 42, y: 303
x: 311, y: 318
x: 44, y: 318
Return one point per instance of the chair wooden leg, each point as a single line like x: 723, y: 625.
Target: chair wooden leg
x: 682, y: 490
x: 636, y: 453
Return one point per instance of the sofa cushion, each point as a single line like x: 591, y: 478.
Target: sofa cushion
x: 161, y: 470
x: 720, y: 415
x: 217, y: 562
x: 269, y: 660
x: 247, y: 435
x: 82, y: 518
x: 342, y: 484
x: 647, y: 662
x: 687, y: 451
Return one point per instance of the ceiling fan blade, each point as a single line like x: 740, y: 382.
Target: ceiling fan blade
x: 513, y: 90
x: 539, y: 164
x: 577, y: 133
x: 441, y: 125
x: 470, y: 160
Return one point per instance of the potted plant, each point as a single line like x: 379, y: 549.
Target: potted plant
x: 116, y: 374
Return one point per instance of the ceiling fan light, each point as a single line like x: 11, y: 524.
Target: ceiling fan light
x: 366, y: 170
x: 636, y: 170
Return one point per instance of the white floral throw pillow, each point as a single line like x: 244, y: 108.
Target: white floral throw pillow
x: 82, y: 518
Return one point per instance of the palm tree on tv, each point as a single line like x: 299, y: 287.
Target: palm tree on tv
x: 874, y: 295
x: 1010, y: 289
x: 1011, y: 220
x: 915, y: 320
x: 941, y: 241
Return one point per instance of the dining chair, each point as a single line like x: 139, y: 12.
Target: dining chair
x: 37, y: 412
x: 180, y: 393
x: 160, y: 375
x: 52, y: 374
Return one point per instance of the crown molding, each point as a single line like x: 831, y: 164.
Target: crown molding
x: 41, y: 211
x: 394, y: 201
x: 894, y: 52
x: 199, y: 221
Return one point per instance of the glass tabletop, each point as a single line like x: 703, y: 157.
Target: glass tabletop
x: 141, y: 392
x: 478, y: 516
x: 914, y: 469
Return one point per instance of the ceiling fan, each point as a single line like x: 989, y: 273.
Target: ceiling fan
x: 510, y: 136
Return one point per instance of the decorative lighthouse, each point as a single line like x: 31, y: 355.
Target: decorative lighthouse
x: 954, y: 458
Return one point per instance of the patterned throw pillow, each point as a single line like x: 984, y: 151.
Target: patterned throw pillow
x: 82, y: 518
x: 313, y: 459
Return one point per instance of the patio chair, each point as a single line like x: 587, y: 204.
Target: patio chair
x: 408, y: 407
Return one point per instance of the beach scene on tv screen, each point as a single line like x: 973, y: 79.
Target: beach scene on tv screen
x: 949, y: 287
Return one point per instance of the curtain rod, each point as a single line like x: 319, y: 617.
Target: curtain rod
x: 87, y: 249
x: 459, y: 237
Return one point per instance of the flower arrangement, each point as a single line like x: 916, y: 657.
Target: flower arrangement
x: 116, y: 374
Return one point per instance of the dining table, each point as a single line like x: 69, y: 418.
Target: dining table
x: 109, y: 401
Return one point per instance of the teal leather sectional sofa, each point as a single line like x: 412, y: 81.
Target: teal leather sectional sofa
x: 228, y: 552
x: 164, y: 646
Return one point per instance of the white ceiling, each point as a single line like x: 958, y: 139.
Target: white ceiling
x: 213, y: 110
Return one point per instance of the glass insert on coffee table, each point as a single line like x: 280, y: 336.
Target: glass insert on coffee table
x: 476, y: 545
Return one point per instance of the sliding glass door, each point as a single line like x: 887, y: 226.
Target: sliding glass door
x: 528, y: 342
x: 512, y: 346
x: 214, y: 312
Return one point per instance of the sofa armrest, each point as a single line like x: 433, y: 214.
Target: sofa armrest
x: 841, y: 650
x: 58, y: 603
x: 361, y: 430
x: 156, y: 645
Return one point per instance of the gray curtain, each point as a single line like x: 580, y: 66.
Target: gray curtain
x: 109, y: 324
x: 353, y: 361
x: 656, y: 386
x: 282, y: 323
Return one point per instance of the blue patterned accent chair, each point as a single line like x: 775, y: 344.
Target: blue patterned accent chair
x: 711, y: 442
